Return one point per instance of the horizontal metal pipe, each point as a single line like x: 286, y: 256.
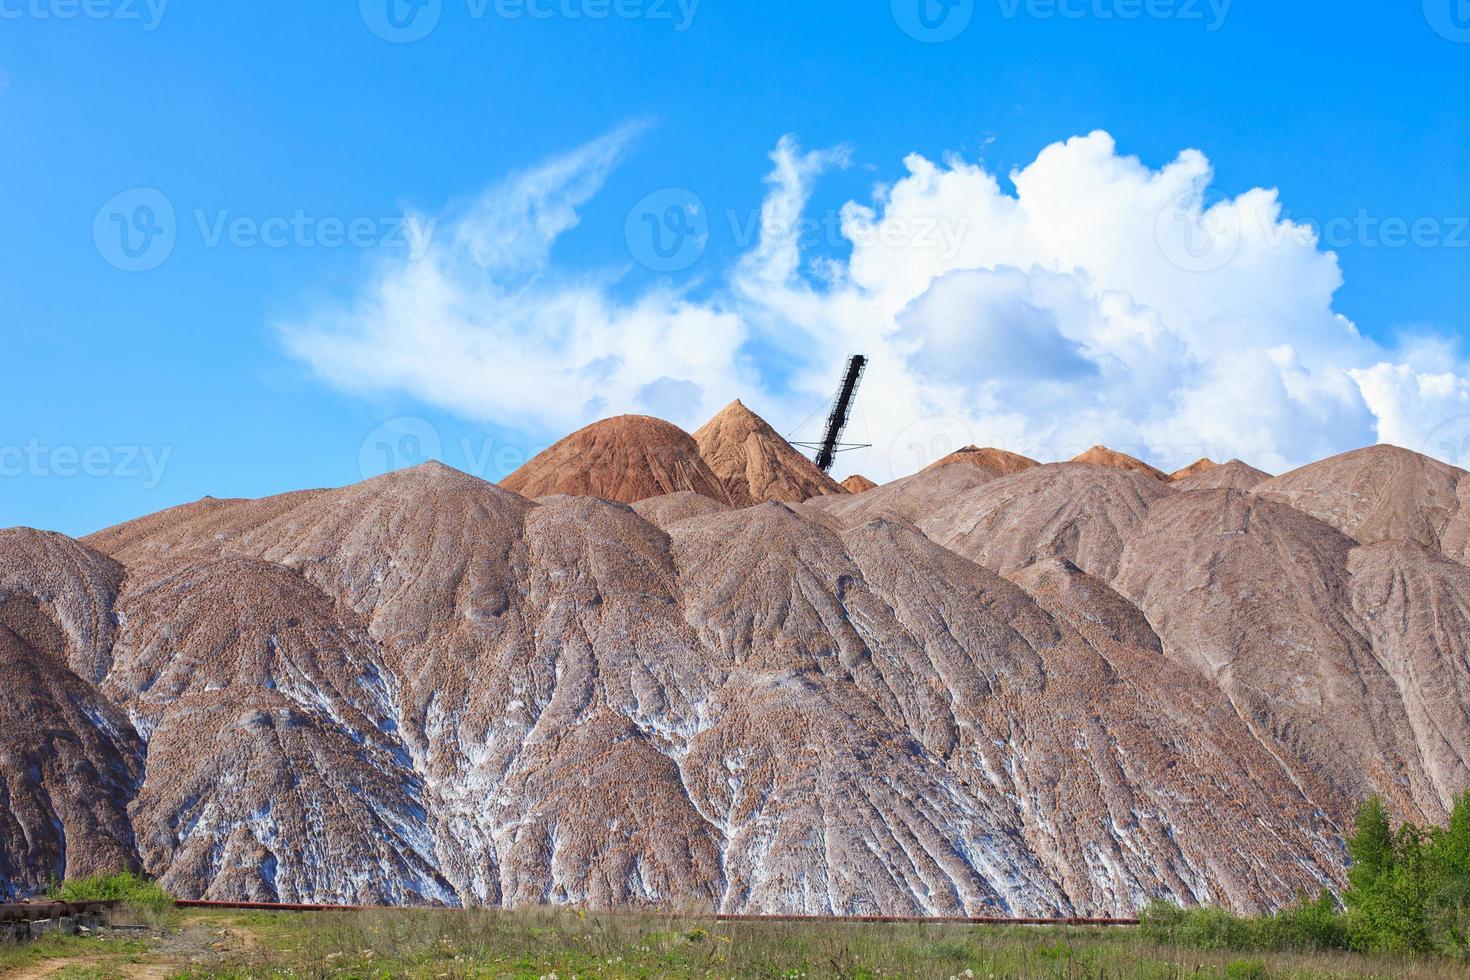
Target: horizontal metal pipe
x: 282, y: 906
x: 38, y: 911
x: 836, y: 919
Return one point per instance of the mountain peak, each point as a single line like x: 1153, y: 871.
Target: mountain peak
x: 1202, y: 465
x: 627, y: 458
x: 1103, y: 456
x: 998, y: 461
x: 1233, y: 475
x: 755, y: 464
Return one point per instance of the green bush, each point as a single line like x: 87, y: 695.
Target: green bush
x: 1247, y: 970
x: 1204, y: 928
x: 126, y: 887
x: 1308, y: 926
x: 1408, y: 893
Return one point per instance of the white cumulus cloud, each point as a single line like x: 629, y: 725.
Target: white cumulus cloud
x: 1096, y: 300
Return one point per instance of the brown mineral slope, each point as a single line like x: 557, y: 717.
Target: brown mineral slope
x: 1084, y: 688
x: 755, y: 464
x: 1081, y: 512
x: 857, y: 483
x: 1233, y: 475
x: 1103, y: 456
x: 247, y: 657
x: 906, y: 501
x: 673, y: 507
x: 1382, y: 493
x: 998, y: 461
x: 69, y: 761
x: 1193, y: 469
x: 1415, y: 608
x: 627, y: 459
x: 1258, y: 596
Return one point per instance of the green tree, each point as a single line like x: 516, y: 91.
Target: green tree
x: 1450, y: 903
x: 1452, y: 848
x: 1371, y: 848
x: 1408, y: 893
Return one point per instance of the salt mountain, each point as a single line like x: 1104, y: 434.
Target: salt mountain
x: 991, y: 687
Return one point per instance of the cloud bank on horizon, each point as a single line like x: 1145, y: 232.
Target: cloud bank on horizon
x: 1102, y: 301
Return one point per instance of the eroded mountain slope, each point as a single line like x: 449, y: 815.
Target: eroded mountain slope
x: 426, y: 688
x: 1233, y: 475
x: 1257, y: 596
x: 69, y: 761
x: 908, y: 500
x: 1381, y: 493
x: 1077, y: 511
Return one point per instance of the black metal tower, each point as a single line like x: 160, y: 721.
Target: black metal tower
x: 831, y: 443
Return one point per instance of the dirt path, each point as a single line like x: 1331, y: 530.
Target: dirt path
x: 127, y: 971
x: 193, y: 944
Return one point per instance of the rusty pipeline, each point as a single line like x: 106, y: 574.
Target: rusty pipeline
x: 41, y: 911
x: 814, y: 919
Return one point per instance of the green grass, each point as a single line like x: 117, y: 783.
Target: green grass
x: 97, y: 972
x: 536, y: 944
x: 132, y: 890
x: 15, y: 956
x: 540, y: 944
x: 1309, y: 926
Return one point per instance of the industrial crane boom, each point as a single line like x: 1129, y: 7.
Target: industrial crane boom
x: 841, y: 412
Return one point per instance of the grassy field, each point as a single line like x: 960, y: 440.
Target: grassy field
x: 566, y: 945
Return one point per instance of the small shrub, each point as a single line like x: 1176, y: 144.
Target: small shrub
x: 1159, y: 920
x: 1308, y: 927
x: 1247, y: 970
x: 132, y: 890
x: 1200, y: 928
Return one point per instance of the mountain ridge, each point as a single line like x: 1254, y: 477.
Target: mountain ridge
x: 428, y: 689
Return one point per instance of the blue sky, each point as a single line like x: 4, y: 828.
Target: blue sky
x: 130, y: 391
